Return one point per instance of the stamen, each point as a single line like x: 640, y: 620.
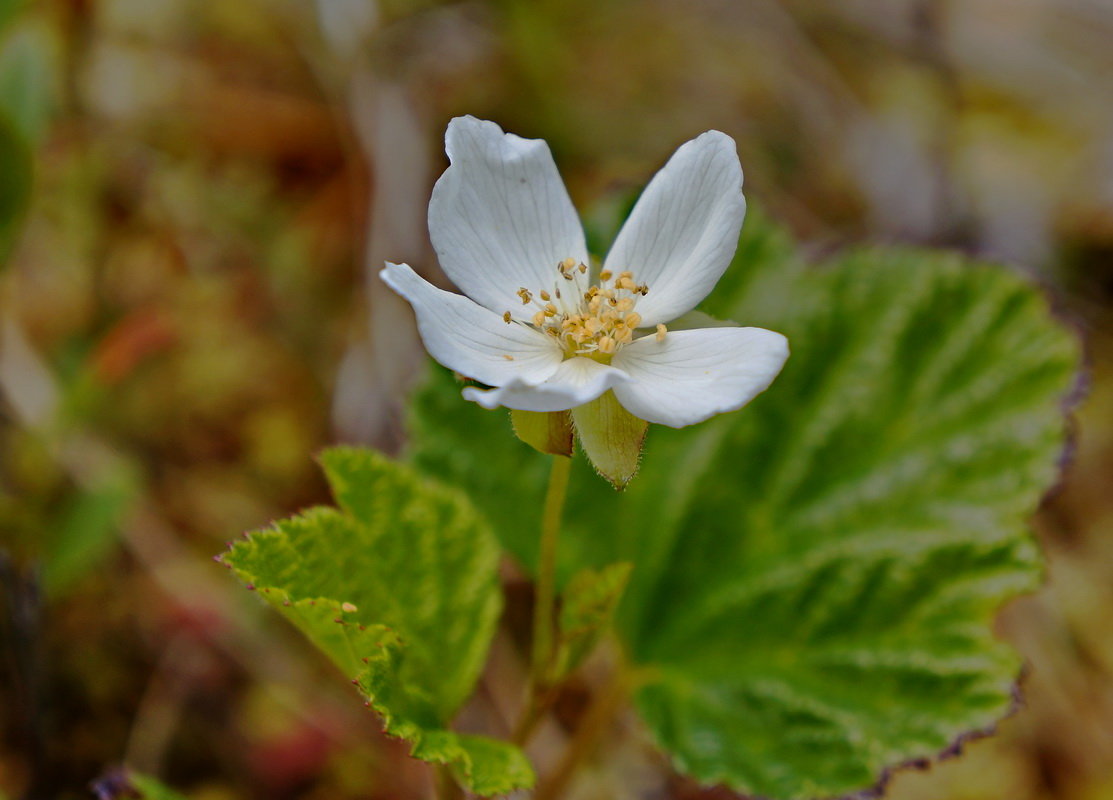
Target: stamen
x: 507, y: 317
x: 598, y: 320
x: 661, y: 331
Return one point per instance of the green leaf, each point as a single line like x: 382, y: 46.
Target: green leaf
x: 88, y: 527
x: 151, y: 789
x: 816, y: 575
x: 586, y: 613
x: 15, y: 184
x: 8, y: 11
x: 29, y: 77
x: 399, y: 587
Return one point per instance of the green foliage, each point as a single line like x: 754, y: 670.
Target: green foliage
x: 15, y: 183
x: 28, y: 79
x: 86, y: 529
x: 151, y: 789
x: 399, y: 587
x: 587, y: 610
x: 815, y: 576
x: 26, y: 94
x: 8, y: 11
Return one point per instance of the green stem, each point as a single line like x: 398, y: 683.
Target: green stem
x: 546, y: 570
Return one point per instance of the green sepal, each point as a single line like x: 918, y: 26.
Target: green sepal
x: 611, y: 437
x: 587, y: 611
x: 548, y: 432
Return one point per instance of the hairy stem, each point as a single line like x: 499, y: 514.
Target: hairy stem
x: 546, y: 569
x: 540, y: 693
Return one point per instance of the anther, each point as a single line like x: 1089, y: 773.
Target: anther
x: 606, y: 345
x: 545, y: 296
x: 506, y: 317
x: 583, y: 268
x: 539, y: 318
x: 605, y: 275
x: 661, y: 331
x: 633, y: 318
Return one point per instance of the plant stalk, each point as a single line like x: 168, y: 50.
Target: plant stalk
x: 546, y: 570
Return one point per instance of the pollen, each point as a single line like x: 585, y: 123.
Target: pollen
x: 596, y: 320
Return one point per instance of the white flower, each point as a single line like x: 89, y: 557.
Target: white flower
x: 548, y: 332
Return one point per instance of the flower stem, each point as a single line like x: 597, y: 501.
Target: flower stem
x: 546, y: 571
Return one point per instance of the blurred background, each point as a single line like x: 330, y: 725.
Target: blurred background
x: 190, y: 310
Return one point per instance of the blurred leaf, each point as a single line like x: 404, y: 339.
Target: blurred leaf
x: 399, y: 588
x: 587, y: 610
x: 28, y: 78
x: 151, y: 789
x: 8, y: 11
x: 816, y: 575
x: 87, y: 529
x: 15, y: 184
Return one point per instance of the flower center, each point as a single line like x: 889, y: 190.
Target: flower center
x: 593, y: 322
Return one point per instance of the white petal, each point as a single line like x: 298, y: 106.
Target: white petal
x: 577, y: 381
x: 500, y: 218
x: 468, y: 338
x: 696, y: 374
x: 683, y: 232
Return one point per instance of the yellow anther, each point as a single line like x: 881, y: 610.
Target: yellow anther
x: 661, y: 331
x: 600, y: 320
x: 506, y: 317
x: 508, y: 358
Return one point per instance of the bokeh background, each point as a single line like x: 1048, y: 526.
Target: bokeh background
x: 192, y: 310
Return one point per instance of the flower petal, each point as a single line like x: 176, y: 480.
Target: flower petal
x: 468, y: 338
x: 683, y: 232
x: 500, y: 218
x: 693, y: 375
x: 577, y: 381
